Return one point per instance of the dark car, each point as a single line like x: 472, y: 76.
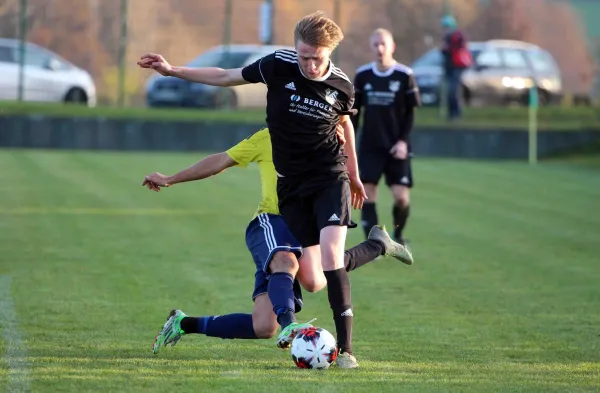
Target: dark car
x: 164, y: 91
x: 502, y: 74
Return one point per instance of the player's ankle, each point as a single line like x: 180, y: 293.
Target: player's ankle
x: 286, y: 318
x: 347, y: 350
x: 191, y: 325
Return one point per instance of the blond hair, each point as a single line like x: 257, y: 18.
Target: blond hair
x: 318, y: 30
x: 382, y: 32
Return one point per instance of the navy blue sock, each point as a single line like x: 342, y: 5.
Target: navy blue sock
x: 281, y: 294
x: 221, y: 326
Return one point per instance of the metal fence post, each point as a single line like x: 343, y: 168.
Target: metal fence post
x: 447, y: 7
x: 443, y: 91
x: 122, y: 53
x: 271, y: 22
x: 227, y: 24
x: 337, y: 12
x: 22, y: 41
x: 265, y: 22
x: 534, y: 103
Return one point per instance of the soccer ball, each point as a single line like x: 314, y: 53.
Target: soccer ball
x: 314, y: 347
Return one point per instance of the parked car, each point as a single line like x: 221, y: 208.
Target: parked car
x: 167, y: 91
x: 47, y: 76
x: 502, y: 74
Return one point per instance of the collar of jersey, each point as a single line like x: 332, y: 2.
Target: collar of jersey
x: 387, y: 72
x: 321, y: 79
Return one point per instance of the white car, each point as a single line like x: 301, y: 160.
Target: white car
x: 47, y: 76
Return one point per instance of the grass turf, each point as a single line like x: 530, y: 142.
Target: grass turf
x: 550, y: 118
x: 503, y: 296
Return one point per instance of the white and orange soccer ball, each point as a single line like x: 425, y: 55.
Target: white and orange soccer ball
x: 314, y: 347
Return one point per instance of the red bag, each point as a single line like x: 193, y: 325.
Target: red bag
x: 462, y: 58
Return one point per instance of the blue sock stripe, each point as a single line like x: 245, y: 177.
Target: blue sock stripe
x: 280, y: 310
x: 202, y: 322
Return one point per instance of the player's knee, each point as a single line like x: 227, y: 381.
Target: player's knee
x: 402, y: 202
x: 284, y: 262
x: 401, y: 197
x: 265, y: 328
x: 333, y: 240
x: 331, y: 258
x: 313, y: 284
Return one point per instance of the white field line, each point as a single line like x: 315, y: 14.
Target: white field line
x: 16, y: 352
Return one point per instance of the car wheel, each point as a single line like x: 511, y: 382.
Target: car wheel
x: 76, y: 96
x: 465, y: 96
x: 225, y: 99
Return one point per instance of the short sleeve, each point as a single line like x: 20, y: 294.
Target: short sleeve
x: 349, y: 104
x: 244, y: 152
x: 261, y: 71
x: 413, y: 97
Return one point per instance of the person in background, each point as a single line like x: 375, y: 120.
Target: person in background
x: 387, y: 95
x: 457, y: 58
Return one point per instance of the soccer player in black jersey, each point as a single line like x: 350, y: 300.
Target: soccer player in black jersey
x: 386, y: 95
x: 318, y: 178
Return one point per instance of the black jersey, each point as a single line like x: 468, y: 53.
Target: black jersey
x: 302, y: 114
x: 384, y: 98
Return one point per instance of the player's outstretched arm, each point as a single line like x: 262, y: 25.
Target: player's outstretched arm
x: 204, y: 168
x: 207, y: 75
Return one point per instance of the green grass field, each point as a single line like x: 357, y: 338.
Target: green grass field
x: 504, y: 295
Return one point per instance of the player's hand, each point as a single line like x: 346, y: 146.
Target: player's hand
x: 157, y: 63
x: 339, y: 130
x: 155, y: 181
x: 357, y: 192
x: 400, y: 150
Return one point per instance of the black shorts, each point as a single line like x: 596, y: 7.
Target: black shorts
x: 373, y: 164
x: 308, y: 207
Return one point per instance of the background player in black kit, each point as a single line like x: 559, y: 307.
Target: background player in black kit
x: 318, y: 177
x: 386, y: 94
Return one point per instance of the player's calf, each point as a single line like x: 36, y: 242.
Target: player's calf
x: 400, y: 211
x: 338, y: 283
x: 369, y: 211
x: 283, y: 268
x: 264, y: 321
